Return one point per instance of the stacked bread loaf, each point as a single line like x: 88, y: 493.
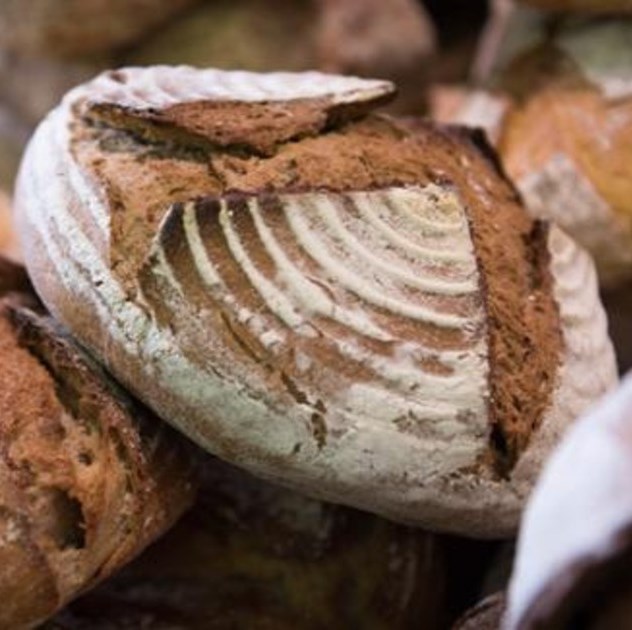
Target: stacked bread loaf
x: 88, y: 478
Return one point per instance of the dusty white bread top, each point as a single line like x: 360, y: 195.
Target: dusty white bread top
x: 581, y: 503
x: 157, y: 87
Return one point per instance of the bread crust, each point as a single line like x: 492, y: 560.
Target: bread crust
x: 88, y: 478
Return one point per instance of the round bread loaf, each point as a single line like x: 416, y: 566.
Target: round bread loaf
x: 574, y: 561
x: 87, y: 478
x: 254, y: 555
x: 350, y: 305
x: 561, y: 119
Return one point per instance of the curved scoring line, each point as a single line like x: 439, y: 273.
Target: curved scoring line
x: 431, y: 194
x: 215, y: 284
x: 332, y: 222
x: 368, y: 212
x: 311, y: 297
x: 317, y: 249
x: 274, y: 298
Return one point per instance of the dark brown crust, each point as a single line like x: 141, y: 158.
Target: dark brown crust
x: 243, y: 127
x: 525, y: 337
x: 88, y: 479
x: 523, y: 322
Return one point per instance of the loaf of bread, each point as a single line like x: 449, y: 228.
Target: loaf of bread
x: 66, y: 28
x: 87, y: 478
x: 575, y: 546
x: 561, y: 117
x: 350, y: 305
x: 255, y: 556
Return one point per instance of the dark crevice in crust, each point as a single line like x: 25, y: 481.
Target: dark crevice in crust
x: 524, y: 333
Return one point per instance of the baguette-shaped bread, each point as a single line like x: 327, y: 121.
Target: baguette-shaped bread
x: 87, y: 478
x: 254, y: 555
x: 352, y: 306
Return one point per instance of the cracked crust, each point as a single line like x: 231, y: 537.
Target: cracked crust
x: 88, y: 478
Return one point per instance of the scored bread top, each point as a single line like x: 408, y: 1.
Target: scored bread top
x: 364, y: 311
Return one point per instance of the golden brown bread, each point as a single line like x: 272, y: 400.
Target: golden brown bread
x: 560, y: 115
x: 87, y: 477
x: 253, y: 555
x: 348, y: 304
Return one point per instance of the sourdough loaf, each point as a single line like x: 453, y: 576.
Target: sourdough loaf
x: 347, y: 304
x: 87, y: 478
x: 561, y: 117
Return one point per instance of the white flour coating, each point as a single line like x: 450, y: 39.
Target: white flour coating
x: 580, y: 505
x: 409, y: 433
x: 603, y: 51
x: 560, y: 192
x: 143, y: 88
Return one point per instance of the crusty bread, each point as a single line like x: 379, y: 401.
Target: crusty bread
x: 561, y: 118
x: 87, y: 478
x: 351, y: 305
x: 256, y: 556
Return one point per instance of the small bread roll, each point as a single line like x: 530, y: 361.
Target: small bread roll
x: 350, y: 305
x: 574, y: 551
x: 256, y: 556
x: 87, y: 478
x: 67, y: 28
